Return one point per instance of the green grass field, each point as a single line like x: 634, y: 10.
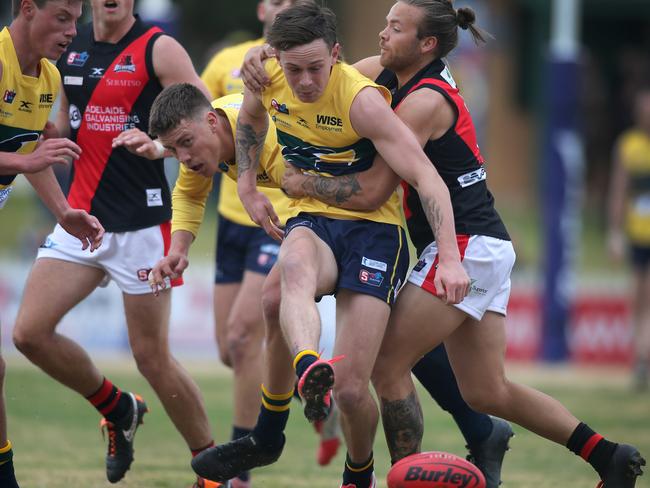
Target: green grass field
x: 58, y: 443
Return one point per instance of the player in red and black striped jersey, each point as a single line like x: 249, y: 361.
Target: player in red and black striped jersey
x: 111, y: 74
x: 109, y: 87
x: 418, y: 35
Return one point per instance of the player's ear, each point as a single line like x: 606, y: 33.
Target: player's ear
x: 429, y: 44
x: 212, y: 120
x: 336, y: 51
x: 27, y: 9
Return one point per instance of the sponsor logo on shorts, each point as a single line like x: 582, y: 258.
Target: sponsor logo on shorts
x: 154, y: 197
x: 263, y: 259
x: 49, y: 243
x: 143, y: 274
x: 420, y: 265
x: 273, y: 249
x: 371, y: 278
x: 371, y: 263
x: 475, y: 289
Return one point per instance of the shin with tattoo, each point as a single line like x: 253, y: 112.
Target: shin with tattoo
x: 403, y: 426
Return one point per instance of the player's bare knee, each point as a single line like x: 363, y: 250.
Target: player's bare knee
x: 151, y: 362
x: 224, y: 353
x: 243, y: 344
x: 297, y: 273
x: 27, y: 340
x: 348, y: 396
x: 271, y: 303
x: 485, y: 400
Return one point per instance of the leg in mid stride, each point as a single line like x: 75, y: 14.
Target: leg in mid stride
x: 482, y: 382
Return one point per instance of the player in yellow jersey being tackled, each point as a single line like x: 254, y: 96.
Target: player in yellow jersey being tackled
x: 329, y: 120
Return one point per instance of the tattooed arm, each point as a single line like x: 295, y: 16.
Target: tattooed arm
x: 367, y: 190
x: 422, y: 112
x: 252, y: 127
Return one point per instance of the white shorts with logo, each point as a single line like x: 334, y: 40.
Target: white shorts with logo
x: 487, y: 260
x: 125, y: 257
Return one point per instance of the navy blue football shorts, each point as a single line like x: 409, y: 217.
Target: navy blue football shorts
x: 242, y: 248
x: 372, y: 257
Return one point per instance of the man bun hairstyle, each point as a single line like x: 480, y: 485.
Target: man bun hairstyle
x: 301, y: 24
x: 441, y: 20
x: 466, y: 19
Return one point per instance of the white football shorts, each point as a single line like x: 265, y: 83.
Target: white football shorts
x: 125, y: 257
x: 487, y: 260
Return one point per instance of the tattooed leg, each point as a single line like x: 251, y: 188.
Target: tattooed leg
x: 403, y: 425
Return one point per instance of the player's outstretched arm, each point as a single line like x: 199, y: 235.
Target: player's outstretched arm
x: 174, y: 264
x: 372, y: 118
x: 252, y: 127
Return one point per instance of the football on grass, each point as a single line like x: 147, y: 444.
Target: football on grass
x: 434, y: 470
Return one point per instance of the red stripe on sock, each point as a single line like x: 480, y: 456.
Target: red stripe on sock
x: 589, y: 446
x: 109, y: 408
x: 102, y: 394
x: 196, y: 452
